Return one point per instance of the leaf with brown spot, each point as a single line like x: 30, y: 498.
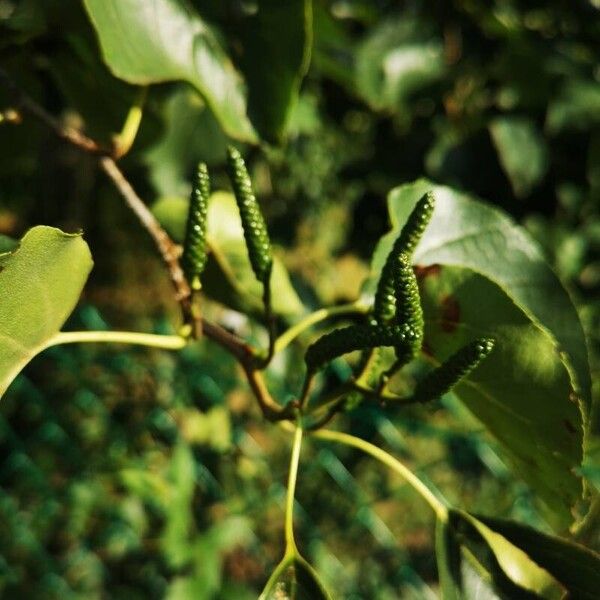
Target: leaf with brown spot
x: 450, y: 313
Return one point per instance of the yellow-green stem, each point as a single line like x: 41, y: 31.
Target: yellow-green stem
x: 437, y: 505
x: 288, y: 336
x: 124, y: 140
x: 290, y: 543
x: 167, y: 342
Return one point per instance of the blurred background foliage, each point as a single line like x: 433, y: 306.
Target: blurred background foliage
x: 134, y: 473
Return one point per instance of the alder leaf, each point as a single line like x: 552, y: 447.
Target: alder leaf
x: 166, y: 40
x: 40, y: 283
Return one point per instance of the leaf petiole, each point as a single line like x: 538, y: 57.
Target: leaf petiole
x: 290, y: 544
x: 167, y: 342
x: 123, y: 141
x: 439, y: 506
x: 288, y: 336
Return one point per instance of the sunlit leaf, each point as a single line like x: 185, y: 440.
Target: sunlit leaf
x: 40, y: 283
x: 577, y: 568
x: 166, y: 40
x: 523, y: 392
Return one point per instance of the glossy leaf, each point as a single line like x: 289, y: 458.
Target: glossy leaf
x: 509, y: 564
x: 509, y: 570
x: 40, y: 283
x: 522, y: 152
x: 228, y: 277
x: 281, y: 31
x: 469, y: 571
x: 521, y: 392
x: 166, y: 40
x: 511, y: 554
x: 467, y: 233
x: 577, y: 568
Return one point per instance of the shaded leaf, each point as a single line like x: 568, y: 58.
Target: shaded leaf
x: 192, y: 135
x: 281, y: 31
x: 577, y: 106
x: 166, y: 40
x: 396, y: 60
x: 22, y: 22
x: 467, y: 233
x: 522, y: 151
x: 40, y: 283
x: 520, y: 392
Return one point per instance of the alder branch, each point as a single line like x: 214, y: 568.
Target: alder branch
x: 166, y: 247
x: 69, y: 134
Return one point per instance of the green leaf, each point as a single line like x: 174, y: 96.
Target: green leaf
x: 520, y: 392
x: 294, y: 579
x: 24, y: 20
x: 179, y: 519
x: 166, y: 40
x: 228, y: 277
x: 512, y: 573
x: 510, y: 554
x: 396, y: 60
x: 475, y: 586
x: 577, y: 106
x: 577, y: 568
x: 522, y: 151
x: 467, y: 233
x: 281, y: 31
x: 40, y: 283
x: 192, y: 135
x: 591, y: 464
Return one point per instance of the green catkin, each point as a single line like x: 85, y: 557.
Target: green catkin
x: 384, y: 307
x: 408, y: 302
x: 460, y: 364
x: 255, y: 228
x: 355, y: 337
x: 195, y: 251
x: 416, y: 224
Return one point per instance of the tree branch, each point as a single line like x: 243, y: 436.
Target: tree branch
x: 69, y: 134
x: 167, y: 248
